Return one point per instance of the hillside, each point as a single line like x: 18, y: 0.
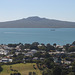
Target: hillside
x: 24, y: 69
x: 37, y: 22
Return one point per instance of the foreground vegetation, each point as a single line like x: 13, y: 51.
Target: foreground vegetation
x: 23, y: 69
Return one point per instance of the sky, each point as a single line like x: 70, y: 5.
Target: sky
x: 52, y: 9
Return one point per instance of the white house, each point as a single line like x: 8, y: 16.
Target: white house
x: 29, y: 54
x: 33, y: 51
x: 5, y: 60
x: 5, y: 52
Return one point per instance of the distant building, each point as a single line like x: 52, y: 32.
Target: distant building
x: 5, y: 60
x: 33, y: 51
x: 35, y: 58
x: 28, y: 54
x: 5, y: 52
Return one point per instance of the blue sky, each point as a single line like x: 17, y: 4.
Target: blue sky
x: 52, y: 9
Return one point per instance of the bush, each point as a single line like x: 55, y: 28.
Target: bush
x: 34, y: 73
x: 1, y: 68
x: 15, y: 74
x: 30, y: 73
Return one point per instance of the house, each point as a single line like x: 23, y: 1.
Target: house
x: 10, y: 60
x: 57, y: 52
x: 5, y: 47
x: 0, y: 46
x: 23, y: 53
x: 18, y: 48
x: 28, y: 54
x: 33, y: 51
x: 35, y: 58
x: 27, y: 49
x: 58, y: 46
x: 67, y: 62
x: 17, y: 53
x: 10, y: 55
x: 41, y: 58
x: 5, y: 52
x: 5, y: 60
x: 39, y: 45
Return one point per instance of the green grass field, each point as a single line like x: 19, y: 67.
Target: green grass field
x: 24, y: 69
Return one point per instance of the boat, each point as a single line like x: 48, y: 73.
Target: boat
x: 52, y: 29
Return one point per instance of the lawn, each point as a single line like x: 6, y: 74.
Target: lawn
x: 24, y: 69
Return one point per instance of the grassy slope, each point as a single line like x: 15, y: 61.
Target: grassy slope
x: 24, y: 69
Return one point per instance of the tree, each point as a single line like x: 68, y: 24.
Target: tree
x: 57, y: 70
x: 73, y: 67
x: 35, y: 43
x: 73, y: 43
x: 33, y: 47
x: 12, y: 45
x: 72, y: 55
x: 47, y: 55
x: 71, y: 73
x: 49, y: 63
x: 42, y: 44
x: 64, y: 72
x: 71, y: 49
x: 27, y: 46
x: 49, y: 47
x: 54, y: 44
x: 47, y: 72
x: 42, y: 47
x: 1, y: 68
x: 15, y: 74
x: 67, y: 47
x: 38, y: 54
x: 30, y: 73
x: 34, y: 73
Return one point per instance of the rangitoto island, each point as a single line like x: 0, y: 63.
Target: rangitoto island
x: 37, y: 22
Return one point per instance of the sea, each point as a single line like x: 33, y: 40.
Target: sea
x: 60, y: 36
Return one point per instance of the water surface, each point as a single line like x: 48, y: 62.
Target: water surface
x: 60, y: 36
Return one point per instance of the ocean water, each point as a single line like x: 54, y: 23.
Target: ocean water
x: 60, y: 36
